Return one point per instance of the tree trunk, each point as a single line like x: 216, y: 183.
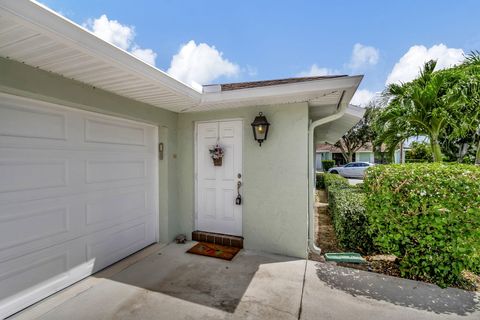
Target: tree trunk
x: 477, y: 157
x: 402, y: 156
x: 436, y: 151
x: 350, y: 157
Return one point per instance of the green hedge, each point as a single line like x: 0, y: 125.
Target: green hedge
x: 319, y: 181
x: 327, y: 164
x: 346, y: 206
x: 335, y: 180
x: 429, y: 216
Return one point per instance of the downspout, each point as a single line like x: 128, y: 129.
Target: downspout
x: 341, y: 108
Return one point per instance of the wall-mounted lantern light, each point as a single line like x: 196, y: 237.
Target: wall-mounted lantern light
x: 260, y: 128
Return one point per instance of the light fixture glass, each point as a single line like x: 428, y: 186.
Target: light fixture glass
x: 260, y: 128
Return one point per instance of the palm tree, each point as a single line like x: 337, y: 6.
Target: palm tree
x: 466, y: 94
x: 419, y: 106
x: 438, y: 104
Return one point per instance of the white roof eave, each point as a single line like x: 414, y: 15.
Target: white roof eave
x: 84, y: 56
x: 333, y: 131
x: 45, y: 22
x: 277, y: 94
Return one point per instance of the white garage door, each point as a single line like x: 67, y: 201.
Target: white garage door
x: 78, y: 192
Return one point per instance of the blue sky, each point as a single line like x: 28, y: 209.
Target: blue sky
x: 230, y: 41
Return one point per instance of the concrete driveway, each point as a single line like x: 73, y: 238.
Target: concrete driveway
x: 164, y: 282
x: 354, y: 181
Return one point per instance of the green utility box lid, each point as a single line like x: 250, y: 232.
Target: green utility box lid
x: 349, y: 257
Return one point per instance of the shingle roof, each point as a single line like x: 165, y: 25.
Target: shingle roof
x: 333, y: 149
x: 322, y: 147
x: 265, y: 83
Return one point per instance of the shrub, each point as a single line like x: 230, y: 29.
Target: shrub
x: 335, y: 180
x: 319, y: 181
x: 429, y: 216
x: 349, y: 219
x: 346, y: 206
x: 327, y: 164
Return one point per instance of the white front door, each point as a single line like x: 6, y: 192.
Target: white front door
x: 217, y: 210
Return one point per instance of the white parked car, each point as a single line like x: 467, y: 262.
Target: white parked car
x: 352, y: 169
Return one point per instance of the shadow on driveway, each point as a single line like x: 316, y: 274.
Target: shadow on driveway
x: 398, y: 291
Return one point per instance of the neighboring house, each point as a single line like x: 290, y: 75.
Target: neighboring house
x: 102, y: 155
x: 330, y: 152
x: 399, y: 155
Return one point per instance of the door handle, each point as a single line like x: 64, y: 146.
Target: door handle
x: 238, y: 200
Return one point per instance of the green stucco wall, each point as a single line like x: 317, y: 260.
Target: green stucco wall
x: 275, y: 188
x: 20, y: 79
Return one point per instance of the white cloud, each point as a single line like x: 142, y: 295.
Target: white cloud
x: 363, y: 56
x: 409, y: 65
x: 363, y: 97
x: 146, y: 55
x: 315, y: 71
x: 120, y: 35
x: 112, y: 31
x: 200, y: 63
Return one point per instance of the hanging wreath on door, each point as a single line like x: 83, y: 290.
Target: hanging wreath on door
x: 216, y: 153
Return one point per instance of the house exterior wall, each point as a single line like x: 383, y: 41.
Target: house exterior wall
x: 275, y: 175
x: 22, y: 80
x: 275, y: 187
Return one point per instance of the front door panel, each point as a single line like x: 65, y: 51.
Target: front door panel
x: 217, y: 185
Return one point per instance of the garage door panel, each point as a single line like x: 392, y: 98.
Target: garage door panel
x: 110, y: 246
x: 27, y: 175
x: 109, y: 132
x: 113, y: 170
x: 19, y: 228
x: 118, y: 136
x: 22, y: 174
x: 78, y: 192
x: 35, y: 272
x: 26, y: 121
x: 33, y: 276
x: 118, y: 206
x: 31, y: 271
x: 113, y: 207
x: 36, y: 225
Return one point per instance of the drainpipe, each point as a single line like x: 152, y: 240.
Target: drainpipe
x: 341, y: 108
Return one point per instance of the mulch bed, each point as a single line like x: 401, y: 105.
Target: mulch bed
x: 327, y: 241
x: 325, y: 234
x: 376, y: 264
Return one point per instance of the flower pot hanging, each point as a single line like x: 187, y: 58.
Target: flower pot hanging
x: 217, y: 162
x: 216, y: 153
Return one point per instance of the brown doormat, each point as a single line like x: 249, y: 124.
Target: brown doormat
x: 214, y: 250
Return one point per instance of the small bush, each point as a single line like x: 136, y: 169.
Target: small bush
x: 349, y: 219
x: 346, y: 206
x: 319, y: 181
x: 429, y: 216
x: 327, y: 164
x: 334, y: 180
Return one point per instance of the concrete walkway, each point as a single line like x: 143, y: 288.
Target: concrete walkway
x: 164, y: 282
